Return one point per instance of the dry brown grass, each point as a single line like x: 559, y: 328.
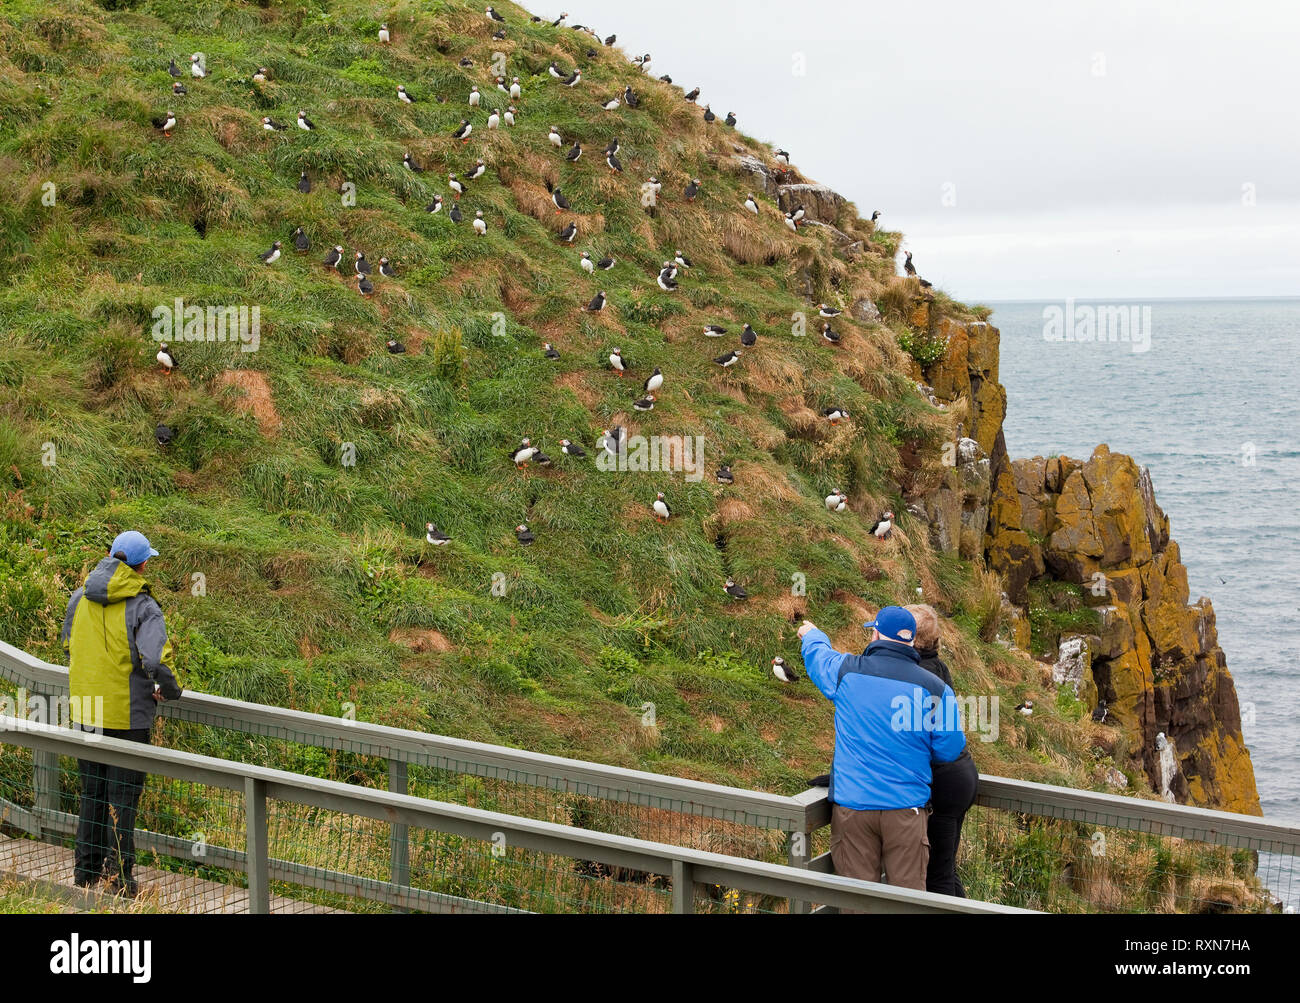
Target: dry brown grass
x: 254, y: 398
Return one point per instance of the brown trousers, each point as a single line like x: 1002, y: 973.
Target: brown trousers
x: 866, y: 843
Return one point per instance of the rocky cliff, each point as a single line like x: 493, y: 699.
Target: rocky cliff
x: 1084, y: 542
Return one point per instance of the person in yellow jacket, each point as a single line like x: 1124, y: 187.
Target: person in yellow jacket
x: 119, y: 667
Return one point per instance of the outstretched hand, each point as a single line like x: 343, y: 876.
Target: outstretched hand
x: 806, y: 626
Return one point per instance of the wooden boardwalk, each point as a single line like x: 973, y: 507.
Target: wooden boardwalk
x: 160, y: 891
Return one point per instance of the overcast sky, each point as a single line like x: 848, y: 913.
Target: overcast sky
x: 1027, y: 150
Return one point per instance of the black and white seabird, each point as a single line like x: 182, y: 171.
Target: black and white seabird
x: 783, y: 670
x: 611, y: 105
x: 386, y: 268
x: 611, y: 39
x: 409, y: 163
x: 883, y: 526
x: 666, y: 281
x: 572, y: 449
x: 477, y: 171
x: 729, y: 359
x: 384, y: 37
x: 403, y: 96
x: 435, y: 536
x: 549, y: 351
x: 692, y: 95
x: 1027, y: 709
x: 395, y: 347
x: 178, y: 89
x: 569, y: 232
x: 836, y: 501
x: 734, y: 590
x: 435, y: 205
x: 646, y: 403
x: 494, y: 120
x: 875, y: 215
x: 751, y: 204
x: 166, y: 358
x: 516, y: 91
x: 708, y: 114
x: 509, y: 116
x: 196, y: 67
x: 612, y: 440
x: 654, y: 381
x: 364, y: 286
x: 575, y: 153
x: 612, y: 162
x: 748, y: 336
x: 493, y: 15
x: 463, y: 131
x: 554, y: 136
x: 524, y: 535
x: 692, y: 190
x: 304, y: 183
x: 783, y: 157
x: 523, y: 453
x: 301, y: 242
x: 725, y: 476
x: 827, y: 311
x: 475, y: 98
x: 304, y: 123
x: 360, y: 263
x: 164, y: 434
x: 731, y: 118
x: 271, y: 125
x: 559, y: 21
x: 588, y: 265
x: 829, y: 334
x: 172, y: 68
x: 480, y: 224
x: 661, y: 510
x: 597, y: 303
x: 167, y: 123
x: 272, y: 256
x: 714, y: 331
x: 573, y: 79
x: 555, y: 71
x: 456, y: 185
x: 616, y: 361
x: 629, y: 97
x: 606, y: 263
x: 334, y: 256
x: 455, y: 214
x: 908, y: 267
x: 798, y: 214
x: 790, y: 223
x: 834, y: 414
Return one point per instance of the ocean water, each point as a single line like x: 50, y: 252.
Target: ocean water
x: 1211, y: 407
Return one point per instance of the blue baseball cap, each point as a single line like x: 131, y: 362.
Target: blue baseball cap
x: 134, y: 546
x: 894, y: 623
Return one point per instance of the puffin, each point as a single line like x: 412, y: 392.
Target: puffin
x: 555, y: 137
x: 463, y: 130
x: 409, y: 163
x: 681, y: 260
x: 715, y: 331
x: 480, y: 224
x: 597, y: 303
x: 654, y: 381
x: 666, y: 79
x: 273, y: 255
x: 435, y: 205
x: 178, y: 88
x: 612, y: 162
x: 575, y: 153
x: 494, y: 120
x: 477, y: 171
x: 611, y: 39
x: 692, y: 189
x: 829, y: 334
x: 559, y: 201
x: 395, y: 347
x: 834, y: 414
x: 501, y: 85
x: 493, y: 15
x: 827, y: 311
x: 606, y: 263
x: 301, y: 242
x: 748, y: 337
x: 304, y: 123
x: 364, y: 286
x: 629, y: 97
x: 646, y: 403
x: 569, y: 232
x: 196, y: 68
x: 729, y: 359
x: 167, y: 123
x: 172, y: 68
x: 403, y: 96
x: 798, y: 214
x: 360, y: 263
x: 783, y: 157
x: 455, y: 214
x: 304, y: 183
x: 908, y: 267
x: 271, y: 125
x: 661, y: 510
x: 588, y: 265
x: 555, y: 71
x: 751, y: 205
x: 883, y: 526
x: 692, y: 95
x: 611, y: 440
x: 334, y: 256
x: 435, y: 536
x: 783, y: 670
x: 789, y: 222
x: 523, y: 453
x: 456, y: 185
x: 549, y: 351
x: 836, y: 501
x: 166, y: 358
x: 573, y: 79
x: 616, y: 361
x: 731, y: 118
x: 384, y: 37
x: 725, y: 476
x: 499, y: 34
x: 524, y: 535
x: 386, y: 269
x: 1099, y: 712
x: 611, y: 105
x: 164, y: 434
x: 542, y: 460
x: 1027, y: 709
x: 734, y: 590
x: 510, y: 116
x: 474, y: 96
x: 708, y: 114
x: 516, y: 92
x: 665, y: 279
x: 643, y: 62
x: 465, y: 62
x: 875, y: 215
x: 559, y: 21
x: 613, y: 147
x: 572, y: 449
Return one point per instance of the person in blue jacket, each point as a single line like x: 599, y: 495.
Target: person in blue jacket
x: 892, y: 719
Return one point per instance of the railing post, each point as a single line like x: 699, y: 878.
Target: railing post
x: 683, y: 888
x: 255, y: 846
x: 798, y: 854
x: 45, y: 770
x: 399, y: 841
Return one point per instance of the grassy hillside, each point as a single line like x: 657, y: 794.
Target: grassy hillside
x: 320, y: 590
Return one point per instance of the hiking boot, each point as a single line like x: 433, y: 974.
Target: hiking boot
x: 124, y: 888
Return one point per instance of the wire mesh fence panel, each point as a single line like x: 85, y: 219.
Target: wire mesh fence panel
x: 1079, y: 866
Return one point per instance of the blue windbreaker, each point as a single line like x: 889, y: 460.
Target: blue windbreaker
x: 892, y: 718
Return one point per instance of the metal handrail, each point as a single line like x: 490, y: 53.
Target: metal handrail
x: 688, y: 867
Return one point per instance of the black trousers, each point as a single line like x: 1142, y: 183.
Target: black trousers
x: 110, y: 797
x: 952, y: 792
